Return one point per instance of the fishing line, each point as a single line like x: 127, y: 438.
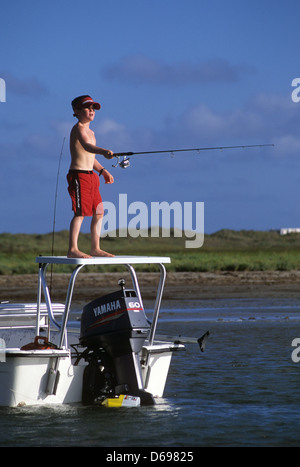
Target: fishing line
x: 54, y: 214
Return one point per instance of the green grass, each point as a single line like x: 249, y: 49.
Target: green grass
x: 226, y: 250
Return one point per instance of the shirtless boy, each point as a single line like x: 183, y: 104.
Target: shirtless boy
x: 83, y: 181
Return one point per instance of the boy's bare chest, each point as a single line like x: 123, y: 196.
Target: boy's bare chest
x: 91, y: 136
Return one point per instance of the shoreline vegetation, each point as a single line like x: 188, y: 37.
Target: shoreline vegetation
x: 223, y: 251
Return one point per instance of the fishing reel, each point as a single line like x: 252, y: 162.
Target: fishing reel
x: 124, y: 163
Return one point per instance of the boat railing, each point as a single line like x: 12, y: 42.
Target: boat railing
x: 23, y: 315
x: 78, y: 263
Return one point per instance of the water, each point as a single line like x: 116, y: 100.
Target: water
x: 244, y: 390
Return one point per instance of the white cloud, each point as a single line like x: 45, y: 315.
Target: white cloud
x: 24, y: 86
x: 138, y: 69
x: 112, y: 135
x: 264, y: 119
x: 108, y: 125
x: 287, y: 145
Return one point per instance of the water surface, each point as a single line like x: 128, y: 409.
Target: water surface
x: 244, y: 390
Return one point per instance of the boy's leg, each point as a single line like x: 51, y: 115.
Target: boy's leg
x: 96, y: 225
x: 75, y: 226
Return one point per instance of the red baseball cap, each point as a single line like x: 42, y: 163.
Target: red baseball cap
x: 85, y: 101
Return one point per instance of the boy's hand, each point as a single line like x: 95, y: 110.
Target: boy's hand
x: 107, y: 177
x: 109, y: 155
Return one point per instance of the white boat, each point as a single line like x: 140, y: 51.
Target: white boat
x: 111, y: 356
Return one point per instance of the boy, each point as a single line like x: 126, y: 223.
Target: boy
x: 83, y: 181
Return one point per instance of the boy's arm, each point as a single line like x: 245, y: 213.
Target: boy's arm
x: 107, y: 176
x: 92, y: 148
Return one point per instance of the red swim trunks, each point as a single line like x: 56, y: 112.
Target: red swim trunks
x: 84, y: 191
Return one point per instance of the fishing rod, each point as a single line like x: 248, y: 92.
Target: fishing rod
x: 54, y: 213
x: 55, y: 199
x: 125, y: 162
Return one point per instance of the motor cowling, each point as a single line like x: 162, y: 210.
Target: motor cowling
x: 114, y: 328
x: 116, y: 322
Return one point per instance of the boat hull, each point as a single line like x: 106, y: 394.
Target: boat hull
x: 24, y: 378
x: 25, y: 375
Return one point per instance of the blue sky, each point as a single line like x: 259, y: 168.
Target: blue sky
x: 169, y: 74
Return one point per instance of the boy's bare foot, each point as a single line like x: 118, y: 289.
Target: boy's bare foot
x: 101, y: 253
x: 77, y: 254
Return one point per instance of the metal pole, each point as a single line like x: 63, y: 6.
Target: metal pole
x: 157, y: 302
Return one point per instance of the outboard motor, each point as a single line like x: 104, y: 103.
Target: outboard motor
x: 114, y: 329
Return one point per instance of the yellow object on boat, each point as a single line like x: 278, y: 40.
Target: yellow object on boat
x: 123, y: 400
